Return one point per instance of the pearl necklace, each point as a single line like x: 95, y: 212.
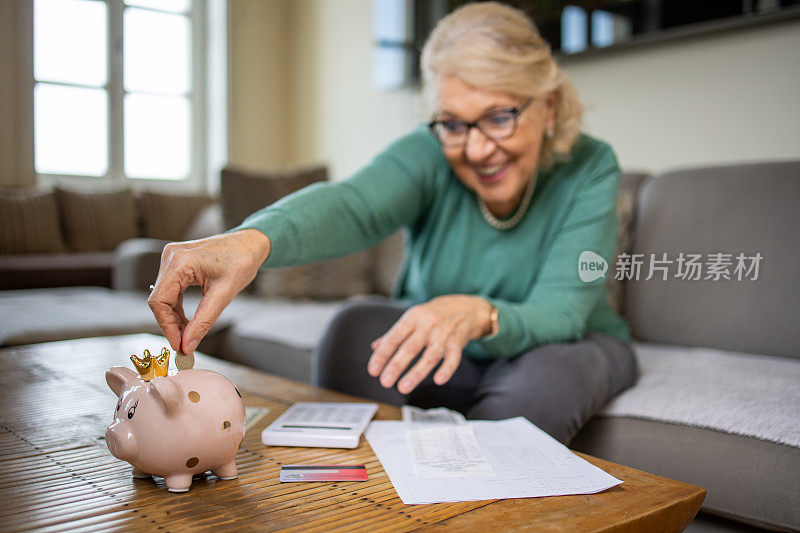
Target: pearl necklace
x: 514, y: 220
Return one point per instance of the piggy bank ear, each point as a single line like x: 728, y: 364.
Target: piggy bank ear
x: 119, y: 378
x: 167, y: 391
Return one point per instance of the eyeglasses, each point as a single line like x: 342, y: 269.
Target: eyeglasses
x: 497, y: 125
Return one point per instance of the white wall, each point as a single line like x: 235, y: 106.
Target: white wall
x: 723, y: 98
x: 16, y: 96
x: 260, y: 47
x: 338, y: 117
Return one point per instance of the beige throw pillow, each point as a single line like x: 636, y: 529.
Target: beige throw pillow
x: 245, y: 192
x: 29, y: 223
x: 168, y: 216
x: 626, y: 218
x: 97, y: 220
x: 329, y: 280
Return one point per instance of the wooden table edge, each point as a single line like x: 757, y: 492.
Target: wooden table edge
x: 675, y: 516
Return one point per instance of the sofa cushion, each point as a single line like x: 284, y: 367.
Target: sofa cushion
x: 327, y: 280
x: 168, y: 216
x: 744, y: 209
x: 42, y: 315
x: 297, y: 324
x: 387, y: 260
x: 245, y: 192
x: 29, y: 223
x: 280, y: 337
x: 722, y: 420
x: 97, y: 220
x: 745, y: 394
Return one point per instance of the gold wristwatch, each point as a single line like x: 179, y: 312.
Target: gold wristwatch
x: 494, y: 322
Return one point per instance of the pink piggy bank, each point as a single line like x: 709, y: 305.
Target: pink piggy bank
x: 176, y: 426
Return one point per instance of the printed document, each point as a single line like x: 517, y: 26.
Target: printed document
x: 442, y: 444
x: 524, y: 462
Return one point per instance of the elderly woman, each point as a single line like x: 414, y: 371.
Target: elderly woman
x: 500, y: 195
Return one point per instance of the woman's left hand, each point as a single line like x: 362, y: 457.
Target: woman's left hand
x: 441, y: 327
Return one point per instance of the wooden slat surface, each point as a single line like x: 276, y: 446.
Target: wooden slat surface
x: 58, y: 475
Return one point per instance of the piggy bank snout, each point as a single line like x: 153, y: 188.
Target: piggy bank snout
x: 121, y: 442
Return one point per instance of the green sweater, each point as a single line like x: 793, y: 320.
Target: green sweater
x: 530, y: 272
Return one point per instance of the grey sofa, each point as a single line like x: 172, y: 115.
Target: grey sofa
x: 67, y: 237
x: 717, y: 402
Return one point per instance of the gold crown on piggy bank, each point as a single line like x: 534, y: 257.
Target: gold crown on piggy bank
x: 149, y: 366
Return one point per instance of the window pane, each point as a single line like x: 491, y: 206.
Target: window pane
x: 175, y: 6
x: 70, y: 41
x: 156, y: 52
x: 389, y: 21
x: 573, y: 29
x: 157, y: 136
x: 389, y: 67
x: 71, y: 130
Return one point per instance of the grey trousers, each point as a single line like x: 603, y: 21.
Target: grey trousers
x: 558, y: 387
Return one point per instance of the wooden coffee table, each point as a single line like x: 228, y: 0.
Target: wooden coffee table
x: 56, y: 472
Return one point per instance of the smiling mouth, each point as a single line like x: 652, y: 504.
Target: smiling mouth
x: 491, y: 174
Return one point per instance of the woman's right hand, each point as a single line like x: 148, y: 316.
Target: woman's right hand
x: 222, y: 265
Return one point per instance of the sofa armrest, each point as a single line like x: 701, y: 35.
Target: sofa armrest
x: 206, y: 223
x: 136, y: 263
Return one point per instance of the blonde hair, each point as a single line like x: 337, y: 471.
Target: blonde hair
x: 496, y: 47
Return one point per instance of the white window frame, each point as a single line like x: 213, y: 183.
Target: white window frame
x: 199, y: 176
